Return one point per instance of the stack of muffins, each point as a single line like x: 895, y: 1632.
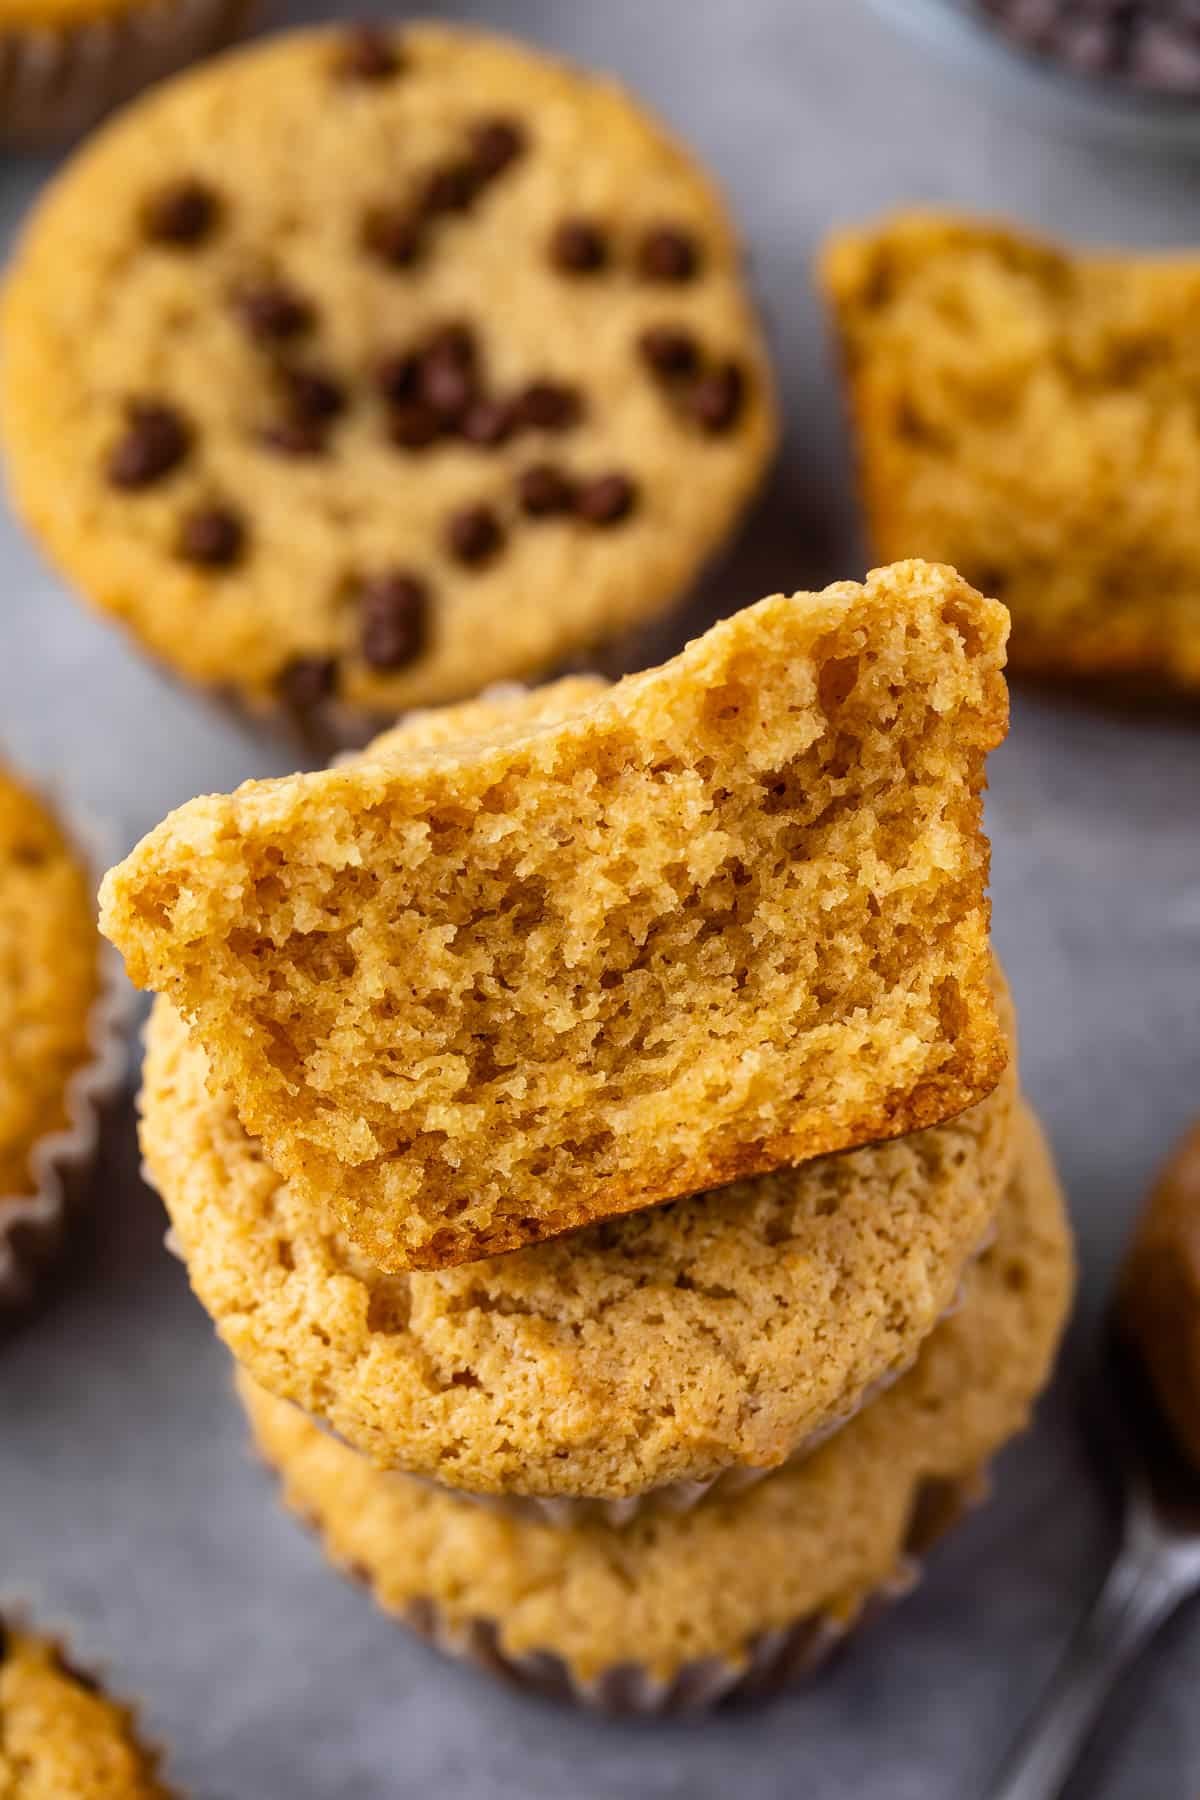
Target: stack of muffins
x: 619, y: 969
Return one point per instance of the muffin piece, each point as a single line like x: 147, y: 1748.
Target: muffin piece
x: 605, y: 947
x: 59, y: 1053
x: 63, y: 63
x: 1160, y: 1291
x: 364, y: 368
x: 638, y: 1362
x: 1033, y: 416
x: 674, y: 1611
x: 61, y: 1738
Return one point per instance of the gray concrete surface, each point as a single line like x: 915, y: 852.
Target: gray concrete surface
x: 127, y: 1501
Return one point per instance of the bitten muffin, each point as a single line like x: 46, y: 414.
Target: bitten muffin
x: 579, y: 952
x: 669, y: 1611
x: 63, y: 63
x: 1033, y: 416
x: 361, y: 369
x: 61, y: 1738
x: 50, y: 995
x: 707, y: 1340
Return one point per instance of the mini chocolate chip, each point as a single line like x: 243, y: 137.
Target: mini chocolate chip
x: 4, y: 1642
x: 451, y: 188
x: 272, y: 312
x: 181, y: 215
x: 213, y: 536
x: 398, y: 376
x: 306, y: 681
x: 487, y: 423
x: 156, y: 441
x: 578, y: 247
x: 312, y: 395
x: 548, y: 406
x: 294, y: 437
x: 667, y: 253
x: 606, y: 499
x: 669, y: 350
x: 717, y: 398
x: 394, y: 235
x: 395, y: 619
x: 367, y: 54
x: 473, y: 535
x: 414, y: 425
x: 449, y: 380
x: 544, y: 489
x: 495, y: 143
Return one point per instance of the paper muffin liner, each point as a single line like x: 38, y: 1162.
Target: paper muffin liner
x: 56, y: 83
x: 772, y: 1663
x: 86, y: 1663
x: 33, y: 1226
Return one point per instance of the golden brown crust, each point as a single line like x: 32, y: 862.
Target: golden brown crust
x: 661, y: 1348
x: 49, y: 978
x: 1029, y: 414
x: 60, y: 1737
x: 608, y: 947
x: 662, y: 1593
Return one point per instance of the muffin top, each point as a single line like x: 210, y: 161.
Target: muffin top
x: 818, y: 1539
x: 61, y: 1738
x: 48, y: 977
x: 356, y: 370
x: 719, y: 1331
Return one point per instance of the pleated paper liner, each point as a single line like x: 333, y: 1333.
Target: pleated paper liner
x: 34, y: 1225
x: 56, y: 83
x: 771, y: 1664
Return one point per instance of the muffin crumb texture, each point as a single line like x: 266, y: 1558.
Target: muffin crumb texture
x: 1033, y: 417
x: 560, y: 956
x: 61, y: 1737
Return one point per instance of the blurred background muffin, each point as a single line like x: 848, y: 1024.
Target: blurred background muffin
x: 64, y: 63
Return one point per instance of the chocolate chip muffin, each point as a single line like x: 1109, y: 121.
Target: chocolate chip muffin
x: 1031, y: 415
x: 61, y: 1737
x: 363, y: 368
x: 588, y: 949
x: 672, y: 1613
x: 60, y: 1045
x: 644, y: 1360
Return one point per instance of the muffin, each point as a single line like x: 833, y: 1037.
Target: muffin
x: 637, y: 1364
x: 581, y: 951
x: 63, y: 63
x: 1032, y: 415
x: 742, y: 1592
x: 61, y: 1737
x: 61, y: 1050
x: 361, y: 369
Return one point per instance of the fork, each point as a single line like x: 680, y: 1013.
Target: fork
x: 1157, y: 1567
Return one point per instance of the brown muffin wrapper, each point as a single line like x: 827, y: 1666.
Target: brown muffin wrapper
x: 56, y: 83
x: 86, y: 1664
x: 33, y: 1226
x: 773, y: 1663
